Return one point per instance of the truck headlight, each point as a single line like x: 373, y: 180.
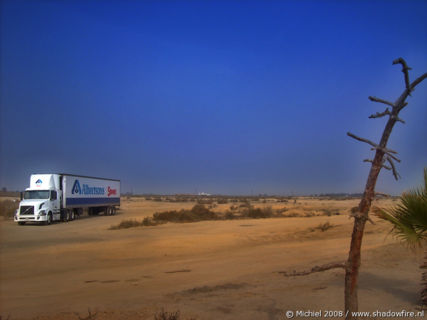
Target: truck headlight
x: 42, y: 213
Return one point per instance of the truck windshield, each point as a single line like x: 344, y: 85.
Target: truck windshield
x: 36, y: 194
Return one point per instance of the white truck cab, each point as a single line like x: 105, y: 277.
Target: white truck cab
x: 42, y: 200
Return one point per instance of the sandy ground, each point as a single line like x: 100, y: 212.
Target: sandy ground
x: 207, y: 270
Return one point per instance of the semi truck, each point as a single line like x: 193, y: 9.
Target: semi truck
x: 64, y: 197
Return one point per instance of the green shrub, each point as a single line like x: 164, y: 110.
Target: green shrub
x: 293, y: 215
x: 131, y: 223
x: 257, y: 213
x: 329, y: 212
x: 125, y: 224
x: 198, y: 213
x: 229, y: 215
x: 147, y: 221
x: 205, y: 201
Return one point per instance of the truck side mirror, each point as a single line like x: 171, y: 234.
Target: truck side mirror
x: 21, y: 195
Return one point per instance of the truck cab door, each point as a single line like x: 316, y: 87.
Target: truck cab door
x: 54, y: 202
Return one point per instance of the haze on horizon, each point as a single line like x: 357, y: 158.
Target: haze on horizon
x: 241, y: 97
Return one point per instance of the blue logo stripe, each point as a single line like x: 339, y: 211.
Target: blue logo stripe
x: 92, y: 201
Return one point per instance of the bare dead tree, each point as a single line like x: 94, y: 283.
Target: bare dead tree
x: 382, y: 155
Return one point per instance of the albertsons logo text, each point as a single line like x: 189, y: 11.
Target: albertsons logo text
x: 86, y: 189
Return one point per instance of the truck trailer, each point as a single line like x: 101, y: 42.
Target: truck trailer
x: 64, y: 197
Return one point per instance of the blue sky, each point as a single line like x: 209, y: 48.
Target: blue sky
x: 231, y: 97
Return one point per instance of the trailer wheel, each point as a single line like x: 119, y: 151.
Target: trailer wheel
x: 78, y: 213
x: 71, y: 215
x: 113, y: 211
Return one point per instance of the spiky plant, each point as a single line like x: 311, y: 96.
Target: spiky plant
x: 409, y: 220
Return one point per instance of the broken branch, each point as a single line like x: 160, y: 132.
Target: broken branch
x: 355, y: 213
x: 397, y: 118
x: 323, y: 267
x: 418, y: 80
x: 389, y: 152
x: 363, y: 140
x: 379, y: 115
x: 383, y: 165
x: 395, y: 173
x: 375, y: 99
x: 405, y: 70
x: 386, y: 112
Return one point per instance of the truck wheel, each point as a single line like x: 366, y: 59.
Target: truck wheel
x: 71, y: 215
x: 49, y: 218
x: 113, y: 211
x: 65, y: 216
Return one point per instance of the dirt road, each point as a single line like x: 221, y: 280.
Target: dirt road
x: 207, y: 270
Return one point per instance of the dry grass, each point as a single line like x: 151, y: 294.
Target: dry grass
x: 258, y: 213
x: 323, y: 227
x: 245, y: 209
x: 200, y: 213
x: 131, y: 223
x: 164, y: 315
x: 210, y: 289
x: 8, y: 208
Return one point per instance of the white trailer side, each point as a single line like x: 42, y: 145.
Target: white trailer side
x: 86, y: 192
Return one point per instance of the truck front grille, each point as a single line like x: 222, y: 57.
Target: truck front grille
x: 27, y: 210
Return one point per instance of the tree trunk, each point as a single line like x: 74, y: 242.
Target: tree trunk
x: 354, y: 256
